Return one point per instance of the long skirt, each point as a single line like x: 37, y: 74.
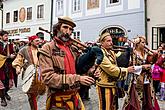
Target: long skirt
x: 1, y: 85
x: 148, y: 102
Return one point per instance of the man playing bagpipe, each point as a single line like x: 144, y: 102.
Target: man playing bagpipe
x: 110, y: 74
x: 57, y: 61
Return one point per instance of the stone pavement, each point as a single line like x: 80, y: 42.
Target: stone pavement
x: 20, y: 102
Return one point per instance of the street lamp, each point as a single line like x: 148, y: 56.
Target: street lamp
x: 1, y: 8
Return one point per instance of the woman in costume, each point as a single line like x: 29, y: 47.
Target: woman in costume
x: 141, y: 94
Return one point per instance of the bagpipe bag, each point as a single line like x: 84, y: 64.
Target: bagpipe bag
x: 90, y: 56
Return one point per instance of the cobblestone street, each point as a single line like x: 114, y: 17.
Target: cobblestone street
x: 20, y: 102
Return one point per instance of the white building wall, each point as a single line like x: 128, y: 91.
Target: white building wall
x: 75, y: 14
x: 156, y: 15
x: 114, y: 8
x: 124, y: 10
x: 12, y: 5
x: 94, y: 11
x: 133, y: 4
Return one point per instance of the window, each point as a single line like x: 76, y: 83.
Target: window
x: 8, y: 17
x: 60, y: 7
x: 40, y: 11
x: 158, y: 37
x: 29, y: 13
x: 113, y: 1
x: 76, y: 5
x: 154, y: 38
x: 76, y: 35
x: 110, y: 2
x: 15, y: 19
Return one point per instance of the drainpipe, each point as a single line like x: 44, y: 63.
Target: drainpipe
x: 1, y: 8
x: 145, y: 19
x: 51, y: 18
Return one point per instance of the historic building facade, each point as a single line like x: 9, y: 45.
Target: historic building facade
x: 155, y: 22
x: 93, y: 17
x: 119, y: 17
x: 24, y: 17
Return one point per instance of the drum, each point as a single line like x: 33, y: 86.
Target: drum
x: 32, y: 82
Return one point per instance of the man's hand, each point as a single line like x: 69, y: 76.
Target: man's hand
x: 86, y: 80
x: 18, y: 70
x: 97, y: 73
x: 94, y: 72
x: 12, y: 56
x: 131, y: 69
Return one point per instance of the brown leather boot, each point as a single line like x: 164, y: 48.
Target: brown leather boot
x: 3, y: 102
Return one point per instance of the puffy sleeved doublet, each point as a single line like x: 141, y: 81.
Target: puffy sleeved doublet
x: 52, y: 67
x: 110, y: 72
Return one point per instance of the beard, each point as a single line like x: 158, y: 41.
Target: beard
x: 63, y: 37
x: 35, y: 46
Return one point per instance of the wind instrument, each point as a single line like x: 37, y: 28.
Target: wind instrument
x: 74, y: 40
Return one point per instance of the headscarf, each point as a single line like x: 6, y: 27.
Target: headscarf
x: 31, y: 38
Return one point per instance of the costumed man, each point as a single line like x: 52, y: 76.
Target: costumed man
x: 110, y: 74
x: 6, y: 70
x: 26, y: 57
x: 57, y: 61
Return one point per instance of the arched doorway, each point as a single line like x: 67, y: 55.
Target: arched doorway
x: 118, y: 34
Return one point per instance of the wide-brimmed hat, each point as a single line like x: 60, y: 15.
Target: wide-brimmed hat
x: 66, y: 20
